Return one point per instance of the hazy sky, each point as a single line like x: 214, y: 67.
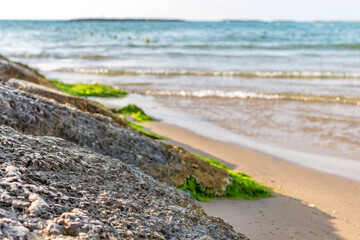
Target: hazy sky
x: 184, y: 9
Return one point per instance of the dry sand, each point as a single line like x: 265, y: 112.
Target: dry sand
x: 308, y: 204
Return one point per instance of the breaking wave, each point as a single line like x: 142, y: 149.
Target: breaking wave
x: 253, y: 95
x: 189, y: 72
x: 44, y: 56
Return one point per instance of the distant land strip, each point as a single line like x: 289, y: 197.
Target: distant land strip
x: 124, y: 20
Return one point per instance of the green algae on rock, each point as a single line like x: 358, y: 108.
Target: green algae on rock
x: 87, y: 90
x: 100, y: 104
x: 242, y: 186
x: 134, y: 111
x: 141, y: 129
x: 196, y: 190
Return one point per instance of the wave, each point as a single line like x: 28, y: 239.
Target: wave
x: 41, y: 56
x: 211, y: 93
x: 304, y: 46
x: 189, y: 72
x: 274, y: 47
x: 247, y: 44
x: 252, y: 95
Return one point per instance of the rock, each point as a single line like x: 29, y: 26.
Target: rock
x: 12, y: 229
x: 205, y: 174
x: 10, y: 69
x: 30, y: 114
x: 114, y: 200
x: 38, y: 205
x: 64, y: 98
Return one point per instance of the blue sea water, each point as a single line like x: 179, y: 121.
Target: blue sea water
x: 207, y: 46
x: 294, y: 85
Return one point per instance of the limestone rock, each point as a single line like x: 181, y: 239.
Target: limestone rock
x: 87, y: 195
x: 12, y: 229
x: 10, y: 69
x: 38, y: 205
x: 82, y: 104
x: 30, y: 114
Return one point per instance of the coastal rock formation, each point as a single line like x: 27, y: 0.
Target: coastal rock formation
x: 53, y: 189
x: 10, y: 69
x: 64, y: 98
x: 67, y: 171
x: 30, y: 114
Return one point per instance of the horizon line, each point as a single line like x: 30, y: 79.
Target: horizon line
x: 180, y: 20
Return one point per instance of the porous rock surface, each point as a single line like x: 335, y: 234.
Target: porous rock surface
x: 53, y: 189
x: 30, y: 114
x: 82, y: 104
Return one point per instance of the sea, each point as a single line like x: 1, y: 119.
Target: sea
x: 289, y: 89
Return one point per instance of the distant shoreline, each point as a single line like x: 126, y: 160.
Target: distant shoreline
x: 180, y: 20
x: 124, y: 20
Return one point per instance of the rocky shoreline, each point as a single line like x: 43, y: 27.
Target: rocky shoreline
x: 71, y: 170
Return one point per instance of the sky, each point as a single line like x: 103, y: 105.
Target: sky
x: 307, y: 10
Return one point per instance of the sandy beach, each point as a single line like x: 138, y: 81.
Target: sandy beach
x: 276, y: 100
x: 308, y: 204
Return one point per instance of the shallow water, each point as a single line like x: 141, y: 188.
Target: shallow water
x: 318, y: 128
x: 288, y: 84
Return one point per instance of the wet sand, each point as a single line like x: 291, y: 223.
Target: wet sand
x: 308, y: 204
